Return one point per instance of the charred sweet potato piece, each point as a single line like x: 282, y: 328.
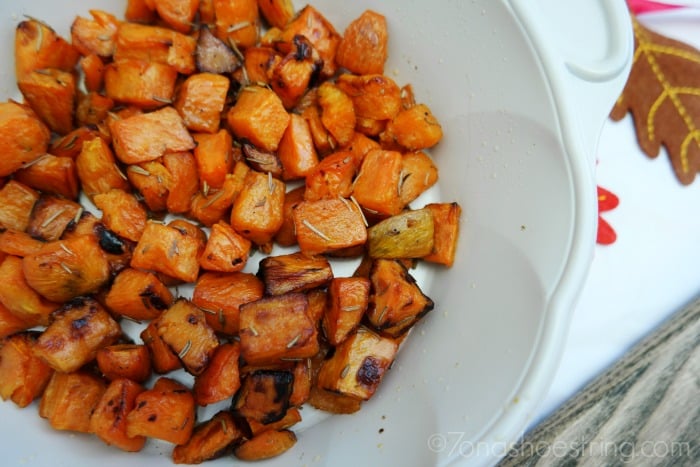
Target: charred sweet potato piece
x: 109, y: 420
x: 138, y: 82
x: 133, y: 137
x: 348, y: 298
x: 213, y: 55
x: 409, y: 234
x: 363, y: 49
x: 13, y: 242
x: 277, y: 12
x: 23, y: 376
x: 446, y: 218
x: 358, y: 364
x: 16, y: 204
x: 166, y: 412
x: 65, y: 269
x: 259, y: 116
x: 270, y: 443
x: 178, y: 14
x: 226, y: 250
x: 323, y: 36
x: 184, y: 328
x: 332, y: 177
x: 168, y: 250
x: 258, y: 211
x: 25, y: 137
x: 291, y: 418
x: 51, y: 216
x: 97, y: 168
x: 376, y: 187
x: 52, y: 94
x: 220, y: 380
x: 291, y: 76
x: 70, y: 399
x: 415, y: 129
x: 264, y: 395
x: 96, y: 35
x: 51, y: 174
x: 19, y: 298
x: 214, y: 158
x: 258, y: 63
x: 294, y: 272
x: 184, y: 181
x: 211, y: 439
x: 237, y: 22
x: 374, y: 96
x: 163, y: 359
x: 139, y: 295
x: 296, y: 150
x: 277, y: 327
x: 93, y: 69
x: 286, y: 236
x: 122, y: 213
x: 262, y: 161
x: 220, y: 296
x: 153, y: 182
x: 77, y: 331
x: 329, y: 401
x: 38, y: 47
x: 124, y: 361
x: 301, y: 387
x: 396, y: 301
x: 155, y: 44
x: 337, y: 112
x: 328, y: 224
x: 201, y: 100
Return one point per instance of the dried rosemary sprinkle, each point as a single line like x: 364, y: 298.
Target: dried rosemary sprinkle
x: 205, y: 188
x: 139, y: 170
x: 380, y: 318
x: 133, y: 320
x: 66, y: 249
x: 359, y: 208
x: 270, y: 183
x: 213, y: 199
x: 222, y: 318
x: 315, y: 230
x: 65, y: 267
x: 346, y: 203
x: 236, y: 50
x: 224, y: 426
x: 351, y: 308
x: 52, y: 217
x: 163, y: 100
x: 78, y: 215
x: 345, y: 371
x: 119, y: 171
x: 254, y: 331
x: 38, y: 159
x: 238, y: 26
x: 185, y: 349
x: 104, y: 37
x: 294, y: 341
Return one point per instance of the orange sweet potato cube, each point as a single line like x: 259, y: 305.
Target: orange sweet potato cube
x: 163, y: 359
x: 93, y: 109
x: 220, y: 296
x: 337, y: 112
x: 153, y: 181
x: 363, y: 49
x: 16, y: 204
x: 71, y: 144
x: 277, y: 12
x: 348, y: 298
x: 14, y: 242
x: 259, y: 116
x: 446, y: 218
x: 11, y: 323
x: 291, y: 76
x: 77, y: 331
x: 374, y: 96
x: 109, y: 419
x: 332, y: 177
x: 296, y: 150
x: 226, y: 250
x: 419, y: 174
x: 122, y: 213
x: 376, y: 187
x: 19, y: 298
x: 93, y: 69
x: 211, y: 439
x: 294, y: 272
x: 124, y: 361
x: 25, y: 137
x: 309, y: 22
x: 328, y: 224
x: 165, y: 412
x: 214, y: 158
x: 51, y: 217
x: 237, y: 22
x: 216, y: 205
x: 70, y: 399
x: 96, y: 35
x: 178, y: 14
x: 220, y: 380
x: 38, y: 47
x: 23, y: 376
x: 265, y: 445
x: 264, y: 395
x: 257, y: 213
x: 97, y: 168
x: 258, y: 63
x: 51, y: 174
x: 415, y: 128
x: 184, y: 181
x: 139, y: 11
x: 139, y: 295
x: 52, y: 94
x: 155, y: 44
x: 286, y: 236
x: 142, y: 83
x: 201, y: 100
x: 168, y: 250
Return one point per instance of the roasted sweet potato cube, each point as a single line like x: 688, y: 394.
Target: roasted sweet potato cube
x: 414, y: 129
x: 93, y: 109
x: 348, y: 298
x: 258, y: 63
x: 96, y: 35
x: 371, y: 127
x: 325, y: 39
x: 165, y: 412
x: 277, y: 12
x: 70, y: 399
x: 396, y: 301
x: 302, y: 385
x: 419, y: 174
x: 446, y: 218
x: 358, y: 364
x: 51, y: 174
x: 211, y: 439
x: 139, y: 295
x: 291, y: 76
x: 134, y: 137
x: 163, y: 359
x: 52, y: 216
x: 213, y: 55
x: 168, y: 250
x: 332, y: 177
x: 220, y: 380
x: 337, y: 112
x: 93, y: 69
x: 153, y: 181
x: 237, y: 22
x: 409, y: 234
x: 262, y: 161
x: 184, y: 328
x: 214, y: 158
x: 277, y: 327
x: 329, y: 401
x: 374, y: 96
x: 38, y: 47
x: 122, y: 213
x: 11, y: 323
x: 258, y: 211
x: 23, y: 376
x: 220, y: 296
x: 139, y: 11
x: 323, y: 141
x: 268, y: 444
x: 184, y: 181
x: 328, y: 224
x: 16, y: 204
x: 109, y: 420
x: 77, y: 331
x: 65, y: 269
x: 286, y: 236
x: 117, y: 250
x: 294, y: 272
x: 201, y: 100
x: 19, y: 298
x: 52, y: 94
x: 226, y: 250
x: 264, y: 395
x: 259, y: 116
x: 178, y: 14
x: 25, y: 137
x: 125, y: 361
x: 71, y: 144
x: 142, y: 83
x: 191, y: 230
x: 376, y: 187
x: 296, y: 150
x: 155, y: 44
x: 363, y: 49
x: 291, y: 418
x: 216, y: 205
x: 360, y: 145
x: 13, y: 242
x: 97, y: 168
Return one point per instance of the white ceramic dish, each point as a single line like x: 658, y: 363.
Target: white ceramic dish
x: 521, y: 103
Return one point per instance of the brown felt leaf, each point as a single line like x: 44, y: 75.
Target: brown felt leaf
x: 663, y: 96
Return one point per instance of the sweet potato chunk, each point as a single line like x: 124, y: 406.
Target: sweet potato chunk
x: 348, y: 298
x: 214, y: 158
x: 184, y: 182
x: 97, y: 168
x: 332, y: 177
x: 11, y: 323
x: 19, y: 298
x: 71, y: 144
x: 220, y: 380
x: 93, y: 69
x: 78, y: 330
x: 52, y: 216
x: 166, y: 412
x: 153, y: 181
x: 259, y: 116
x: 142, y: 83
x: 139, y: 295
x: 211, y: 439
x: 323, y: 36
x: 178, y: 14
x: 418, y: 174
x: 163, y: 358
x: 51, y: 174
x: 237, y: 22
x: 414, y: 129
x: 226, y: 250
x: 332, y: 402
x: 25, y: 137
x: 277, y: 12
x: 264, y: 395
x: 374, y: 96
x: 406, y: 235
x: 38, y: 47
x: 213, y: 55
x: 265, y: 445
x: 220, y: 296
x: 108, y: 421
x: 16, y: 204
x: 327, y: 225
x: 215, y: 205
x: 184, y: 328
x: 258, y: 211
x: 23, y: 376
x: 277, y: 327
x: 13, y: 242
x: 337, y: 112
x: 286, y: 236
x: 201, y: 100
x: 294, y: 272
x: 124, y: 361
x: 291, y: 76
x: 122, y: 213
x: 140, y: 11
x: 363, y: 49
x: 377, y: 185
x: 70, y: 399
x: 155, y: 44
x: 168, y: 250
x: 296, y: 149
x: 52, y: 94
x: 446, y: 218
x: 95, y: 36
